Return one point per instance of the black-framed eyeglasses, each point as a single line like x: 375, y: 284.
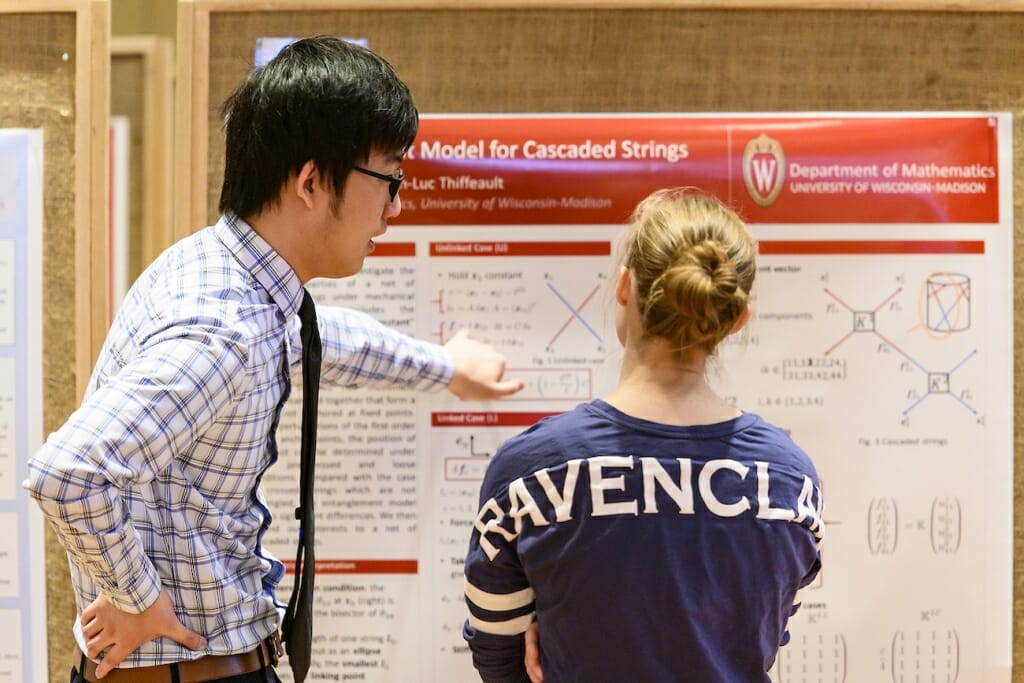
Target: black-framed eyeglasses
x: 394, y: 181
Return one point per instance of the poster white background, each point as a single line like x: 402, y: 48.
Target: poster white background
x: 893, y: 369
x: 22, y: 563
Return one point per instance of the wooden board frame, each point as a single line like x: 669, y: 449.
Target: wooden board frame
x: 92, y: 84
x: 154, y: 56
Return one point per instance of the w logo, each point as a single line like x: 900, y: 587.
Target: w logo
x: 764, y: 169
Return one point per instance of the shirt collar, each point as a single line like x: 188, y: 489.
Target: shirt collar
x: 265, y: 265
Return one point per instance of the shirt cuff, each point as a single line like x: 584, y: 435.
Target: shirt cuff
x: 137, y: 589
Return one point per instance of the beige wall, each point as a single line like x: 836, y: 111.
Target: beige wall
x: 143, y: 16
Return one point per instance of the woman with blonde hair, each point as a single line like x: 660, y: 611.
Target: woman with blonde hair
x: 658, y: 534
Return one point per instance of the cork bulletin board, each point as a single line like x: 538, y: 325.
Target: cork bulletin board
x: 53, y: 71
x: 142, y: 78
x: 674, y: 57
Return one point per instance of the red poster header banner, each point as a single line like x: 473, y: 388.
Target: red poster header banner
x: 478, y: 249
x: 464, y: 419
x: 359, y: 566
x: 861, y: 247
x: 571, y: 170
x: 394, y: 249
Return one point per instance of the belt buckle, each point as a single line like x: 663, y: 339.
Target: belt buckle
x: 275, y: 647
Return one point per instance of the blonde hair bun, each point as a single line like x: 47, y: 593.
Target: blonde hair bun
x: 694, y: 263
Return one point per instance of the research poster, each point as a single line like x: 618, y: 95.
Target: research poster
x: 22, y: 559
x: 881, y: 340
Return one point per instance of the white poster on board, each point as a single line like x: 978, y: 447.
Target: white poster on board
x: 22, y: 559
x: 882, y: 341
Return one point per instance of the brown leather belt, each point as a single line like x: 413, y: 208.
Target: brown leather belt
x: 208, y: 668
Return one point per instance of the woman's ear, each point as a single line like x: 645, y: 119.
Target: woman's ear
x: 623, y: 286
x: 742, y: 320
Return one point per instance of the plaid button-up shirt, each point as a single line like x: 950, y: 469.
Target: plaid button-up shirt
x: 154, y: 481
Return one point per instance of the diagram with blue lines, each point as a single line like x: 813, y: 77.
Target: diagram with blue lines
x: 575, y: 312
x: 541, y: 312
x: 946, y: 310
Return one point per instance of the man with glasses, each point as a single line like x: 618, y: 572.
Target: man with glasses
x: 394, y: 180
x: 153, y: 483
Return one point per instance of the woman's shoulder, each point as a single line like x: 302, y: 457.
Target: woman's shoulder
x: 775, y: 442
x: 548, y: 442
x: 549, y: 427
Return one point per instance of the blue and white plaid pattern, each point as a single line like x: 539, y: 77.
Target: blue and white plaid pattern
x: 154, y: 480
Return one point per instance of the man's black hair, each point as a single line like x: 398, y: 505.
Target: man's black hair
x: 320, y: 99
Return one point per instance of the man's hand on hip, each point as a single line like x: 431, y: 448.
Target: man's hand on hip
x: 114, y: 634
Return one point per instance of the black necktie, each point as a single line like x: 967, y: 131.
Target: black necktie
x: 297, y: 628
